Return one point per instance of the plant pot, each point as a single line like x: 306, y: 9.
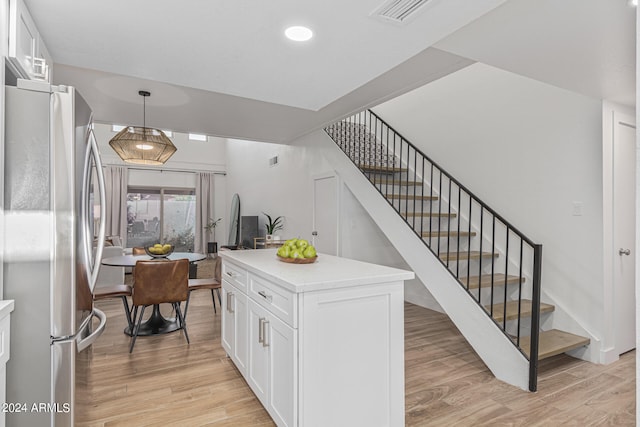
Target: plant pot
x: 212, y: 247
x: 268, y: 237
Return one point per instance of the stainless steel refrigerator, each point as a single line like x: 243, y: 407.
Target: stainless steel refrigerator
x: 53, y: 188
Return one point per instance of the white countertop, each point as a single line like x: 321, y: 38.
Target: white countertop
x: 328, y: 272
x: 6, y: 307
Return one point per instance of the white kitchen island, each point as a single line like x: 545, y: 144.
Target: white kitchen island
x: 319, y: 344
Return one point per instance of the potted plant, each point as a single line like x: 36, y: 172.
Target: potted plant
x: 212, y: 246
x: 273, y: 225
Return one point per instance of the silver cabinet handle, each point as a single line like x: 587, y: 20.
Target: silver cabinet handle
x: 230, y: 274
x: 230, y: 302
x: 624, y: 252
x: 261, y: 330
x: 265, y: 343
x: 265, y: 296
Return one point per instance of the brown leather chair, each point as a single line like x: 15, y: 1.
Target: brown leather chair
x: 110, y: 282
x: 138, y: 251
x: 115, y: 291
x: 158, y: 282
x: 212, y: 283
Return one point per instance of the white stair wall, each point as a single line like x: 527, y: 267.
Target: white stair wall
x: 498, y: 353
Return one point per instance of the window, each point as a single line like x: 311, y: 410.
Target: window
x: 165, y: 215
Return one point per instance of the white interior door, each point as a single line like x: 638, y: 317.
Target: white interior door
x: 624, y: 213
x: 325, y: 214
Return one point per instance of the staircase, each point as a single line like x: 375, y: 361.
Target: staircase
x: 497, y: 266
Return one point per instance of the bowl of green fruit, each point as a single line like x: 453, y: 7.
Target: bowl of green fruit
x: 297, y: 251
x: 159, y: 250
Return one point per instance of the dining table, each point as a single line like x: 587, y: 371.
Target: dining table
x: 157, y: 323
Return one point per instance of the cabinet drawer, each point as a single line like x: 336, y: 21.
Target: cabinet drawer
x: 235, y: 275
x: 274, y: 298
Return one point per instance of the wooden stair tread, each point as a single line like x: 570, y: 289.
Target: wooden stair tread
x: 512, y: 309
x: 463, y: 256
x: 411, y: 197
x: 554, y: 342
x: 381, y: 169
x: 447, y: 233
x: 485, y: 280
x: 380, y: 180
x: 429, y: 214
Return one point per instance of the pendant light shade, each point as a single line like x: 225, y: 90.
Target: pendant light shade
x: 143, y: 145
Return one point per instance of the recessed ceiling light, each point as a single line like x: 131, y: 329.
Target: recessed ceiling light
x: 298, y: 33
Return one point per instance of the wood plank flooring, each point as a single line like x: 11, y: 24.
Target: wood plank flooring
x: 166, y: 382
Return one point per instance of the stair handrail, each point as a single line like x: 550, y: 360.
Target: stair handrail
x: 458, y: 183
x: 537, y: 248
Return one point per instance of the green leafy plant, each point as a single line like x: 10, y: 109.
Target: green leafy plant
x: 273, y: 225
x: 211, y: 226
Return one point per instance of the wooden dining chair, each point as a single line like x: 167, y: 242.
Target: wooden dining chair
x: 110, y: 282
x: 159, y: 282
x: 212, y: 283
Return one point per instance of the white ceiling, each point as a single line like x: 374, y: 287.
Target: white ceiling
x: 224, y: 67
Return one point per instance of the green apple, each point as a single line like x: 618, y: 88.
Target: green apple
x: 284, y: 251
x: 302, y: 244
x: 309, y: 252
x: 296, y: 253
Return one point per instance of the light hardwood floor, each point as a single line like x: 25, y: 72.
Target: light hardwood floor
x: 166, y: 382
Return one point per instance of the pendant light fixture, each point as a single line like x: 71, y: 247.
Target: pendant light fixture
x: 143, y: 145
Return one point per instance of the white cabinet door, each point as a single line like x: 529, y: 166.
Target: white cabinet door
x: 234, y: 325
x: 281, y: 341
x: 241, y: 312
x: 258, y: 366
x: 27, y: 51
x: 228, y: 319
x: 23, y: 38
x: 273, y: 364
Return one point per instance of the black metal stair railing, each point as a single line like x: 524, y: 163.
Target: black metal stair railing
x: 413, y: 184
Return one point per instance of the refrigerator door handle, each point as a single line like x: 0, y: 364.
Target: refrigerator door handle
x: 87, y: 341
x: 94, y: 269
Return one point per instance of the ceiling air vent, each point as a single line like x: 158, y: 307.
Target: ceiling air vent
x: 398, y: 11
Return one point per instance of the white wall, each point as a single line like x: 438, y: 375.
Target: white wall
x: 4, y: 48
x: 281, y: 190
x: 530, y: 150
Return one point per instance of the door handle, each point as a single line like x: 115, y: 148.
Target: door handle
x: 314, y: 233
x: 265, y: 296
x: 261, y: 330
x: 265, y: 343
x: 624, y: 252
x: 230, y: 302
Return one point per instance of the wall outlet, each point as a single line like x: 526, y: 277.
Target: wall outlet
x: 577, y: 209
x: 273, y: 161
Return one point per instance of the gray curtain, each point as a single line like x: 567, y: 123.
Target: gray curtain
x: 204, y: 209
x: 116, y: 180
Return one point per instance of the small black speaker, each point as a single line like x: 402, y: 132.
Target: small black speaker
x: 248, y: 230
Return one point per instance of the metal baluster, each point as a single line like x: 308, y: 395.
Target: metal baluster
x: 480, y: 260
x: 449, y: 223
x: 535, y: 318
x: 431, y: 206
x: 519, y: 294
x: 493, y: 249
x: 439, y: 216
x: 422, y: 197
x: 506, y: 272
x: 468, y: 243
x: 415, y: 178
x: 458, y: 243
